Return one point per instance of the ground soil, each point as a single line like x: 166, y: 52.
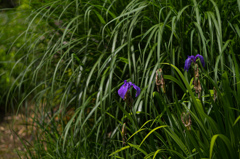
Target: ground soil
x: 12, y: 128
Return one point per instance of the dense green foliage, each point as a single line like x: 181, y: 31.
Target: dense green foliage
x: 89, y: 48
x: 13, y: 24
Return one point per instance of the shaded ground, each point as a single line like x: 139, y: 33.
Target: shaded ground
x: 10, y: 143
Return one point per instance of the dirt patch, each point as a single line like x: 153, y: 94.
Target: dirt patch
x: 11, y: 129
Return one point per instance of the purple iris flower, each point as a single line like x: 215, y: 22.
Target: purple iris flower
x: 126, y: 86
x: 191, y: 59
x: 188, y: 62
x: 201, y: 59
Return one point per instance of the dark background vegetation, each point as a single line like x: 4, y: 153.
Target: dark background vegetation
x: 8, y: 3
x: 4, y: 4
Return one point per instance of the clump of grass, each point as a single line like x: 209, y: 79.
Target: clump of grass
x: 91, y: 47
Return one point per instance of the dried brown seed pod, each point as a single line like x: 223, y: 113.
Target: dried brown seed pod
x: 186, y: 120
x: 124, y: 134
x: 215, y: 94
x: 196, y: 81
x: 160, y: 80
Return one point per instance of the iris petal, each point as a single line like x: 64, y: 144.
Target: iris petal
x: 137, y: 89
x: 201, y: 59
x: 130, y: 85
x: 123, y: 89
x: 188, y: 63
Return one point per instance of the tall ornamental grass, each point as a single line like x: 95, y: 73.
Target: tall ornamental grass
x: 91, y: 47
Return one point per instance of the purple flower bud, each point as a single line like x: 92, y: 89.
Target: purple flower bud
x: 125, y: 87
